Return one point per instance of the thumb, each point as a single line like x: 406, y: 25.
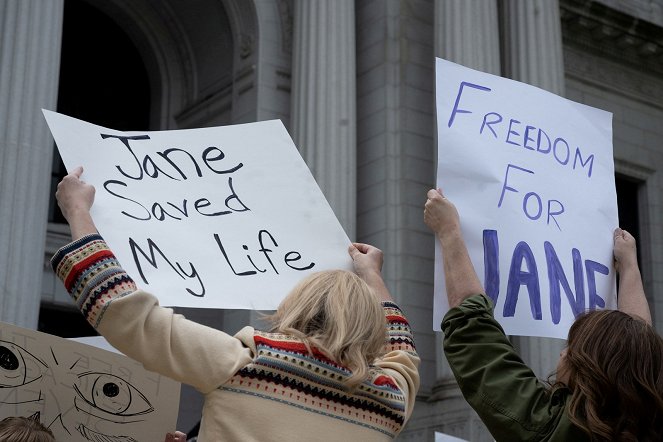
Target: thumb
x: 353, y: 251
x: 77, y: 172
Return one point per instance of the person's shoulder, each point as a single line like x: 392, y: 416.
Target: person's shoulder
x: 245, y: 336
x: 277, y: 340
x: 382, y: 379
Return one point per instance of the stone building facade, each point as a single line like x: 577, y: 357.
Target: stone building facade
x: 353, y: 82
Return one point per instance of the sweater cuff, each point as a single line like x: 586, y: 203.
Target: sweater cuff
x: 399, y: 334
x: 92, y: 275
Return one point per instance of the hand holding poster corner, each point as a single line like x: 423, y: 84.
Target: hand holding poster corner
x: 83, y: 393
x: 221, y: 217
x: 532, y: 176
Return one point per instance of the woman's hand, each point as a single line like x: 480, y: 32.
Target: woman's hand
x: 74, y: 196
x: 75, y: 199
x: 631, y: 296
x: 367, y: 260
x: 440, y: 214
x: 624, y: 250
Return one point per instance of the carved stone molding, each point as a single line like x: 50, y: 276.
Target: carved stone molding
x: 611, y: 33
x: 609, y: 74
x: 286, y: 13
x: 246, y: 45
x: 243, y: 21
x: 633, y: 170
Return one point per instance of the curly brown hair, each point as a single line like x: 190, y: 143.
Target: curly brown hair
x: 615, y: 373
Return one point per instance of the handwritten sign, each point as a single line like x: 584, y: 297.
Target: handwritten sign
x: 80, y: 392
x: 532, y: 176
x: 222, y: 217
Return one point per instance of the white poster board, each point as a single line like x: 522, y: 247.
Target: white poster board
x: 532, y: 176
x: 83, y: 393
x: 443, y: 437
x: 220, y: 217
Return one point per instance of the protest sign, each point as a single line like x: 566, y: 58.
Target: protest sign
x: 80, y: 392
x: 532, y: 176
x: 443, y: 437
x: 221, y: 217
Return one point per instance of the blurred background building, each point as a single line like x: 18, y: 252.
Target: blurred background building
x: 353, y: 81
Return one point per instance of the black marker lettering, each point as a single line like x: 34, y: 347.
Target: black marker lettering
x: 207, y: 158
x: 267, y: 251
x: 296, y: 257
x: 153, y: 249
x: 225, y: 256
x: 125, y: 141
x: 109, y: 182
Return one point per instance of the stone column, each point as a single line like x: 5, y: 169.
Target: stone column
x: 532, y: 44
x: 466, y: 32
x: 30, y: 36
x: 324, y: 122
x: 532, y: 53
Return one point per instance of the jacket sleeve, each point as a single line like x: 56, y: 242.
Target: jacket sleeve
x: 400, y: 360
x: 505, y: 392
x: 134, y: 323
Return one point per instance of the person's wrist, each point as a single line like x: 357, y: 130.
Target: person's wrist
x: 449, y: 234
x: 371, y: 276
x: 626, y: 265
x: 369, y: 273
x: 77, y: 212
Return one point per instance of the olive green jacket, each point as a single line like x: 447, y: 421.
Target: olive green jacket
x: 505, y: 393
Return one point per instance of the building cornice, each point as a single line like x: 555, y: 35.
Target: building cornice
x: 604, y: 31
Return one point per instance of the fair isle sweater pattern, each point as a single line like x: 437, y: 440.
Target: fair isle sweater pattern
x: 92, y: 276
x: 284, y: 371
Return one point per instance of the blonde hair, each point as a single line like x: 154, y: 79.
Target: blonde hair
x: 339, y: 314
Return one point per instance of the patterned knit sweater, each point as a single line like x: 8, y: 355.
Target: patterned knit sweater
x: 258, y: 386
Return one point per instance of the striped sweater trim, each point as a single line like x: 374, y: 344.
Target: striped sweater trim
x: 393, y: 411
x: 399, y: 333
x: 317, y: 411
x: 63, y: 251
x: 283, y: 370
x: 322, y: 372
x: 293, y: 346
x: 307, y: 383
x: 92, y: 276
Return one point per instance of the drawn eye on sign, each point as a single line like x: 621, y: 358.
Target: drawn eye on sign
x: 82, y: 393
x: 18, y: 368
x: 113, y: 396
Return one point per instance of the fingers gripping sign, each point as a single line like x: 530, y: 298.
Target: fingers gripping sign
x: 440, y: 214
x: 74, y: 195
x: 366, y: 259
x: 625, y: 249
x: 367, y: 262
x: 75, y: 198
